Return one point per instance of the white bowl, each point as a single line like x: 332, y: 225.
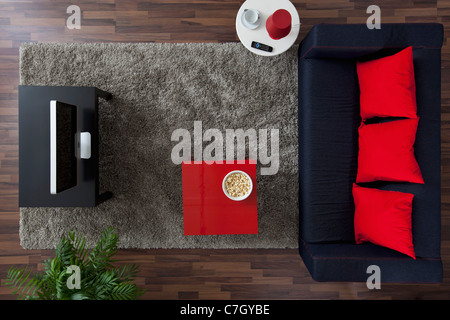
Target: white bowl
x: 237, y: 198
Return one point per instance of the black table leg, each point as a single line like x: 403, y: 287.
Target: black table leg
x: 104, y: 196
x: 103, y: 94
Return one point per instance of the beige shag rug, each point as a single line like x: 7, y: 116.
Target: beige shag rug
x: 156, y: 89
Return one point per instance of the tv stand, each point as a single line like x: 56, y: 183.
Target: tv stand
x: 34, y: 147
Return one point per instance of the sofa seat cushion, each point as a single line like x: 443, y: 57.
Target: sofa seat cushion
x: 328, y: 129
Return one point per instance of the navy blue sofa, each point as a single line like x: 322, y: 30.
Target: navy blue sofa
x: 329, y: 117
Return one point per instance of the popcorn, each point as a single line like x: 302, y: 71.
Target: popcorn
x: 237, y: 185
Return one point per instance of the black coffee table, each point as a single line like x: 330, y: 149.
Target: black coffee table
x: 34, y: 147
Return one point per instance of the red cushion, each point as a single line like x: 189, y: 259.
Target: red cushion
x: 384, y: 218
x: 387, y: 86
x: 386, y: 152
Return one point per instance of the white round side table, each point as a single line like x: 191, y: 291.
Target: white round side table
x: 260, y: 34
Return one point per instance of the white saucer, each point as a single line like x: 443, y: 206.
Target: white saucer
x: 249, y: 25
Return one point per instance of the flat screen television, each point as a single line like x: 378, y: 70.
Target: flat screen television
x: 67, y: 146
x: 63, y: 146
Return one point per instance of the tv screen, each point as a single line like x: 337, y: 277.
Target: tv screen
x: 63, y: 160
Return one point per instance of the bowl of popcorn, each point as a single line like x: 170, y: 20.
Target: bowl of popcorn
x: 237, y: 185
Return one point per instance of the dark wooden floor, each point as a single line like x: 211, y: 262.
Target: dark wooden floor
x: 197, y: 274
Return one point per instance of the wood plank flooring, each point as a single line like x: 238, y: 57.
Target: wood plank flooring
x: 197, y: 274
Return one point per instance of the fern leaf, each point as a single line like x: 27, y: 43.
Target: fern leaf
x: 127, y: 273
x: 19, y: 279
x: 80, y: 249
x: 126, y: 291
x: 79, y: 296
x: 104, y: 250
x: 65, y: 251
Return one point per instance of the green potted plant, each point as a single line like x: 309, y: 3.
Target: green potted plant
x: 77, y: 274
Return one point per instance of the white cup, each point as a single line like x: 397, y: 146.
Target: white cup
x: 251, y: 16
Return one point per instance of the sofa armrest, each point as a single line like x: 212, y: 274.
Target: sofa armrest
x: 349, y: 262
x: 352, y: 41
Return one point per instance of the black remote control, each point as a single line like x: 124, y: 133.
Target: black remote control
x: 261, y: 46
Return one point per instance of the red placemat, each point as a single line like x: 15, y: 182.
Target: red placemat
x: 207, y: 210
